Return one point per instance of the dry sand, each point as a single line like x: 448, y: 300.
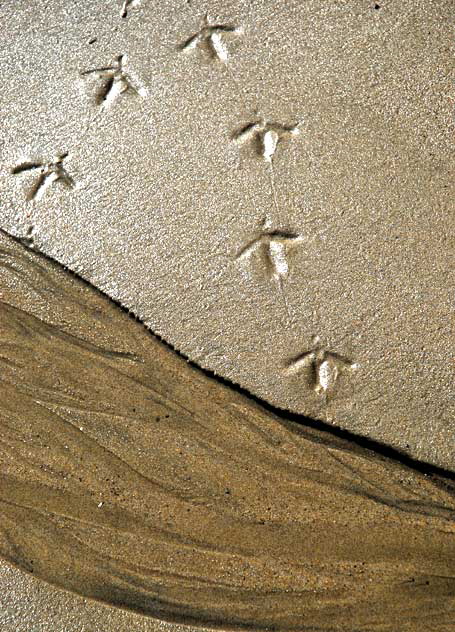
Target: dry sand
x: 324, y: 233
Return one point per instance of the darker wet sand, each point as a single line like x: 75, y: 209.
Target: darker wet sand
x: 130, y: 477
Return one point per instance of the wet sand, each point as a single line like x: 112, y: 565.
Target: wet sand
x: 28, y: 604
x: 130, y: 477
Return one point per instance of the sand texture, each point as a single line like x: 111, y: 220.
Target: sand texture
x: 131, y: 477
x: 268, y: 186
x: 28, y: 604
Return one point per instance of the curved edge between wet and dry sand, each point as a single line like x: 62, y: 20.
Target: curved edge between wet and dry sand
x: 131, y: 477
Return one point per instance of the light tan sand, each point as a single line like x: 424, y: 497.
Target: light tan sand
x: 351, y: 153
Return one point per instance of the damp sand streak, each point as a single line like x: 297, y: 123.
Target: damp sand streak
x: 131, y: 477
